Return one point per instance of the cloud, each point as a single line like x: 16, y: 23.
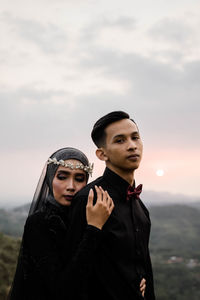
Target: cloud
x: 66, y: 64
x: 172, y: 39
x: 163, y: 99
x: 176, y: 35
x: 172, y: 30
x: 123, y: 22
x: 164, y: 95
x: 48, y: 37
x: 107, y: 32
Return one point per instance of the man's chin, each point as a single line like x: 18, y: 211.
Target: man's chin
x: 133, y: 167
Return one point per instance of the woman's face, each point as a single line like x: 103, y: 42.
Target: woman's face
x: 68, y: 182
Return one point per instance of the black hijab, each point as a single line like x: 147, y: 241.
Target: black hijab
x: 44, y: 189
x: 43, y: 194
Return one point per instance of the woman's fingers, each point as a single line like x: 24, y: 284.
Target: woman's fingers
x: 143, y: 286
x: 112, y: 205
x: 143, y: 282
x: 108, y: 198
x: 99, y: 193
x: 103, y: 197
x: 90, y: 198
x: 97, y: 214
x: 142, y: 292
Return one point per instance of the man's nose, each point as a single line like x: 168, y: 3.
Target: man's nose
x: 132, y: 144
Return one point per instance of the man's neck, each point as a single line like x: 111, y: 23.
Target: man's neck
x: 127, y: 175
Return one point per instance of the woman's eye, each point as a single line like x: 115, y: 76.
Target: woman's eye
x: 61, y: 177
x: 80, y: 179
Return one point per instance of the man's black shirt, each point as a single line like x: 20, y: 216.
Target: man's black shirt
x: 121, y: 258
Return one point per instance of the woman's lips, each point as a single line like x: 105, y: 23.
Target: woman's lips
x: 68, y: 197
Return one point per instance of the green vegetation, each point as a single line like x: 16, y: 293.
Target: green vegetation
x: 175, y: 252
x: 174, y: 249
x: 12, y: 222
x: 176, y: 227
x: 176, y: 282
x: 9, y: 248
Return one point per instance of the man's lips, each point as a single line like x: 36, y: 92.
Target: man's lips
x: 133, y: 156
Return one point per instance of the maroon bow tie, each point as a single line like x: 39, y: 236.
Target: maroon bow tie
x: 131, y: 192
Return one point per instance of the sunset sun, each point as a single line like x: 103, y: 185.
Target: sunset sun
x: 160, y: 172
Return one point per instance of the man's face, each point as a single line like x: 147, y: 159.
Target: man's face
x: 123, y: 147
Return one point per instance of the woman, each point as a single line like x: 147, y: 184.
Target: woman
x: 43, y: 260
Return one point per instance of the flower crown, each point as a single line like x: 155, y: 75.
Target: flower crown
x: 72, y: 166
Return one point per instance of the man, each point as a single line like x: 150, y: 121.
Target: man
x: 121, y: 259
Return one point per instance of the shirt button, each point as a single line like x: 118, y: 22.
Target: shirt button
x: 137, y: 229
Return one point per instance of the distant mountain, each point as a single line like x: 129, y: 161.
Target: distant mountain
x: 175, y: 228
x: 12, y: 222
x: 9, y: 249
x: 23, y: 209
x: 175, y: 234
x: 12, y: 202
x: 149, y: 198
x: 152, y: 198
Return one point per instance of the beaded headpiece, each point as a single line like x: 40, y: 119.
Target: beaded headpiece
x: 71, y: 166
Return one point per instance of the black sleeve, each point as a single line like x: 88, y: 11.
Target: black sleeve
x: 42, y: 259
x: 48, y: 259
x: 83, y: 240
x: 74, y: 279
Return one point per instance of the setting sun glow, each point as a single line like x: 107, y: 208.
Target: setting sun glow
x: 160, y: 172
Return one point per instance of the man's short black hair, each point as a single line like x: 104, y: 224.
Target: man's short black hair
x: 98, y: 132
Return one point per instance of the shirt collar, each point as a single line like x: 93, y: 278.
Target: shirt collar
x: 118, y: 183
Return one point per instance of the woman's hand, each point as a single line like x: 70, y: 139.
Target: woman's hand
x: 98, y: 214
x: 143, y: 286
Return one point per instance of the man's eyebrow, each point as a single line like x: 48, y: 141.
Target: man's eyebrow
x: 123, y: 135
x: 119, y: 136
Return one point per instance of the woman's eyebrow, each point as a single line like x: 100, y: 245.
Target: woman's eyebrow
x: 68, y: 173
x: 63, y: 171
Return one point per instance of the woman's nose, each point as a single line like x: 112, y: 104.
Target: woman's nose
x: 70, y: 185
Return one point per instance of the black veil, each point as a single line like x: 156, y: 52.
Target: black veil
x: 43, y: 192
x: 44, y: 187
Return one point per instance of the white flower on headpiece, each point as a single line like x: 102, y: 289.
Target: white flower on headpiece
x: 62, y: 163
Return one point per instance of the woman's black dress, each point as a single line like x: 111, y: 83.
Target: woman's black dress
x: 43, y: 270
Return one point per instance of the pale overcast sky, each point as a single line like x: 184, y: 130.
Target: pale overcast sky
x: 66, y: 63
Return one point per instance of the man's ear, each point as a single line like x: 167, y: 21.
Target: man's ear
x: 101, y: 154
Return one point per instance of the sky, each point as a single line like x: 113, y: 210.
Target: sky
x: 64, y: 64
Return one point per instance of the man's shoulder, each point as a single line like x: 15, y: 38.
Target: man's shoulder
x: 85, y: 191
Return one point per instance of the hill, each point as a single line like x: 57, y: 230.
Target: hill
x: 9, y: 248
x: 175, y: 228
x: 174, y: 246
x: 12, y: 222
